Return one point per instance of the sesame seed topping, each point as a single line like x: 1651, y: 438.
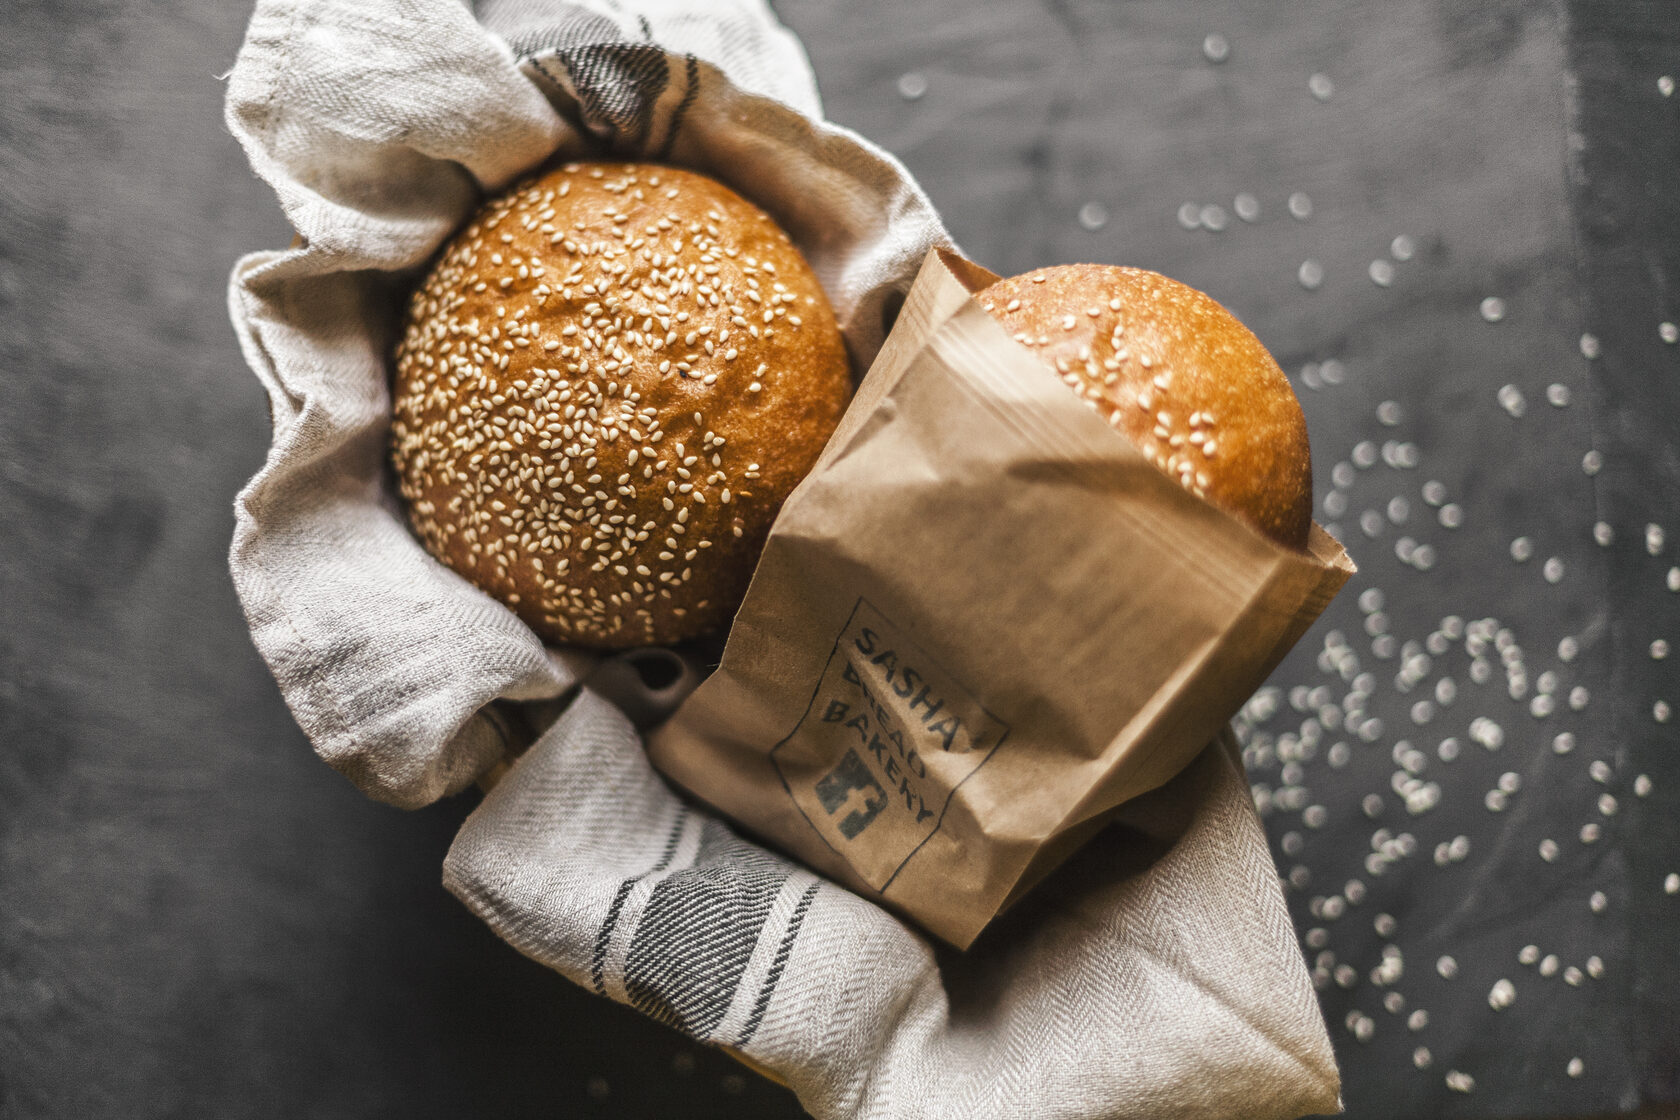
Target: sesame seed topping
x: 520, y: 456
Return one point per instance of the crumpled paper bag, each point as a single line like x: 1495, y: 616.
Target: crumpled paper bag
x: 982, y: 623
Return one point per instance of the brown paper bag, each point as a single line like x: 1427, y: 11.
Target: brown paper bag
x: 980, y: 624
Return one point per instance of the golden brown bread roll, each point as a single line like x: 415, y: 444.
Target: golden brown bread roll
x: 1179, y: 376
x: 608, y: 383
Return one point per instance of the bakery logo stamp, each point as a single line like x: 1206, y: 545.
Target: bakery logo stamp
x: 885, y: 741
x: 851, y: 786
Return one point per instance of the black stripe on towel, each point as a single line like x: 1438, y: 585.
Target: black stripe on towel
x: 597, y: 964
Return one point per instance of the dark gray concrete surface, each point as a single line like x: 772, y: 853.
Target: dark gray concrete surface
x: 198, y: 918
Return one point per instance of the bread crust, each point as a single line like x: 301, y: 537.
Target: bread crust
x: 606, y: 386
x: 1179, y: 376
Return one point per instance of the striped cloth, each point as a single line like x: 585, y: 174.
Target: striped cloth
x: 1156, y: 974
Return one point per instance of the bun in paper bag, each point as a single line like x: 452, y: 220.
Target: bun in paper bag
x: 1174, y: 371
x: 983, y: 622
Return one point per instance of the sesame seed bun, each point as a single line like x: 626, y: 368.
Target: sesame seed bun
x: 608, y: 384
x: 1175, y: 372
